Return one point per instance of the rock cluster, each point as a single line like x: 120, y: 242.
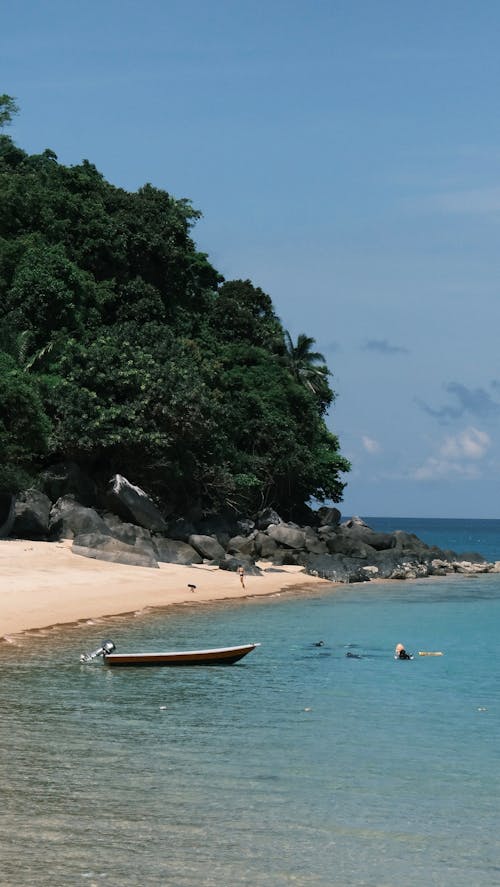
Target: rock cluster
x: 123, y: 525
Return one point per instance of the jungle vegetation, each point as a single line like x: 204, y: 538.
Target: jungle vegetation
x: 122, y: 348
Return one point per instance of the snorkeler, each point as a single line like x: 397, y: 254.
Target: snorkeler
x: 400, y: 653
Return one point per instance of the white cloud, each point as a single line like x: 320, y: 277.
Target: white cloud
x: 474, y: 201
x: 459, y: 455
x: 370, y: 444
x: 468, y: 444
x: 434, y: 469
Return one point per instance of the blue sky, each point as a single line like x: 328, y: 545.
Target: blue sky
x: 345, y: 156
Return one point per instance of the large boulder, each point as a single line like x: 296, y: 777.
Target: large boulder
x: 245, y: 526
x: 207, y: 547
x: 355, y: 521
x: 107, y: 548
x: 242, y: 545
x: 364, y: 535
x: 234, y: 563
x: 393, y: 564
x: 129, y: 533
x: 31, y: 515
x: 327, y: 534
x: 350, y: 546
x: 265, y: 547
x: 287, y: 557
x: 472, y: 557
x: 133, y: 505
x: 313, y: 544
x: 65, y: 479
x: 328, y: 517
x: 7, y: 514
x: 284, y: 534
x: 335, y: 567
x: 180, y: 528
x: 266, y: 517
x: 408, y: 542
x: 69, y: 519
x: 172, y: 551
x: 221, y: 526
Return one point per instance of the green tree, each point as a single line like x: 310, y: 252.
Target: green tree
x: 8, y: 109
x: 143, y: 358
x: 239, y: 311
x: 24, y: 426
x: 303, y: 361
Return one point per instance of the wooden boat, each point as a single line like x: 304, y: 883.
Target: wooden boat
x: 217, y: 656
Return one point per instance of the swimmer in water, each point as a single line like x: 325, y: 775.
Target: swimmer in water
x: 400, y: 652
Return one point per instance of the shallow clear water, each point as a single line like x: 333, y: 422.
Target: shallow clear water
x: 296, y: 766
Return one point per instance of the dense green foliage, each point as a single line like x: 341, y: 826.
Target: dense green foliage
x: 122, y: 348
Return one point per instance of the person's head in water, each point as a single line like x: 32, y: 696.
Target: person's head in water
x: 400, y: 652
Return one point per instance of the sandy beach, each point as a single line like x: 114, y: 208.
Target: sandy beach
x: 44, y: 584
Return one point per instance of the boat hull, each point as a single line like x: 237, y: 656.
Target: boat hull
x: 221, y: 656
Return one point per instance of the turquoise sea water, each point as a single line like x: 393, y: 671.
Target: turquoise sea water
x: 297, y: 766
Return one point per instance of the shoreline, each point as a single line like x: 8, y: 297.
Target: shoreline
x: 44, y: 585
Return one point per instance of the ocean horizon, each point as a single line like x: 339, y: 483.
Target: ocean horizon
x: 300, y: 765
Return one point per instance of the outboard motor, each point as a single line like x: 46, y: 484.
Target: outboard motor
x: 105, y: 648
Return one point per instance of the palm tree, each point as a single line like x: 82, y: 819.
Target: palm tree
x: 302, y: 362
x: 28, y: 360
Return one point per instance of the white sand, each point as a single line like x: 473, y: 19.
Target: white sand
x: 44, y: 584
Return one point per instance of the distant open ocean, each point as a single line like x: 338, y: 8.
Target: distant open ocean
x: 298, y: 766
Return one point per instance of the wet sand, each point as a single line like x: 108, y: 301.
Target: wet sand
x: 44, y: 584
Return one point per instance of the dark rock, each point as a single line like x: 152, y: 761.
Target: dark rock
x: 107, y: 548
x: 406, y: 541
x: 245, y: 526
x: 303, y: 516
x: 286, y: 535
x: 471, y: 557
x: 67, y: 478
x: 241, y: 545
x: 194, y: 512
x: 328, y: 517
x: 366, y: 536
x: 233, y: 564
x: 31, y: 515
x: 266, y: 517
x: 207, y: 547
x: 345, y: 544
x: 7, y: 514
x: 180, y: 529
x: 355, y: 521
x: 389, y: 562
x: 287, y: 557
x: 129, y: 533
x: 335, y: 567
x: 173, y: 551
x: 68, y: 519
x: 264, y: 546
x: 313, y: 544
x: 222, y: 526
x: 133, y: 505
x: 327, y: 533
x: 413, y: 548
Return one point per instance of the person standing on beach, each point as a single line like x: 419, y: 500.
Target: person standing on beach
x: 241, y: 573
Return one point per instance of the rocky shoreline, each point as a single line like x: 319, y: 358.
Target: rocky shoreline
x: 121, y: 524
